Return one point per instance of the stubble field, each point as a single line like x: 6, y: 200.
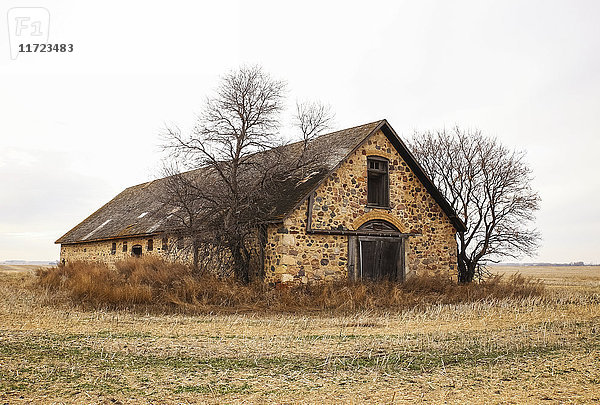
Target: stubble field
x: 538, y: 350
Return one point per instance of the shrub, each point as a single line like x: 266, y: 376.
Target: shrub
x: 153, y: 284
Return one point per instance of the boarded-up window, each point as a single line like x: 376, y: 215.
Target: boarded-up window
x: 124, y: 246
x: 377, y: 182
x: 150, y: 244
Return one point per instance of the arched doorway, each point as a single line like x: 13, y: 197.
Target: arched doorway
x: 381, y: 257
x: 136, y: 250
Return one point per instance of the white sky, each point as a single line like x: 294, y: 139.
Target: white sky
x: 76, y: 129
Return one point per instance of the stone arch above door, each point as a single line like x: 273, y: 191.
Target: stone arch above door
x: 378, y: 215
x: 378, y: 225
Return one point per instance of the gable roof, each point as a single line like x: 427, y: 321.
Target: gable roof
x: 410, y: 160
x: 137, y: 211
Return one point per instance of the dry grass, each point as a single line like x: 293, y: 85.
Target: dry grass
x: 19, y: 268
x: 559, y: 276
x: 536, y: 349
x: 157, y: 286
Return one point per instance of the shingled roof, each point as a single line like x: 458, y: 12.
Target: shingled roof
x: 137, y: 211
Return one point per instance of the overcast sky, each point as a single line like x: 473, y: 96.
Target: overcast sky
x: 77, y: 128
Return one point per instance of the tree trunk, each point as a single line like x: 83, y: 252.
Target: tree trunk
x: 262, y: 240
x: 196, y: 268
x: 466, y: 269
x: 240, y: 264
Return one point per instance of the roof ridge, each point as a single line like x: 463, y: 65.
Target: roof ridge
x: 256, y: 153
x: 328, y: 133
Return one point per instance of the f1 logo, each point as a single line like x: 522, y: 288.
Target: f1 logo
x: 27, y: 25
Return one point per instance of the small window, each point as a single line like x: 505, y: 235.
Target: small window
x: 150, y: 244
x: 113, y: 248
x: 124, y: 246
x: 377, y: 182
x: 165, y: 243
x: 180, y: 242
x: 136, y: 250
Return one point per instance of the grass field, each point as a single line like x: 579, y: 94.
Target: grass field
x: 537, y: 350
x: 557, y: 276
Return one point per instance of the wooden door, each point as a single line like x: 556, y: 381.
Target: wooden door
x: 381, y: 259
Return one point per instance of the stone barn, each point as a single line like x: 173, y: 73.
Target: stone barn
x: 372, y: 214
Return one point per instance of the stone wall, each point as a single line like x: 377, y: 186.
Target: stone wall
x: 293, y: 255
x: 340, y: 202
x: 101, y: 251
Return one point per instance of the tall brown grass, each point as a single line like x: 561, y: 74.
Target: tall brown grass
x: 155, y: 285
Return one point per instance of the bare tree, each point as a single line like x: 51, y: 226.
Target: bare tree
x: 238, y: 167
x: 241, y: 119
x: 192, y: 205
x: 489, y: 186
x: 312, y: 118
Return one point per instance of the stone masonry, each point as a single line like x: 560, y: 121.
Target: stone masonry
x: 101, y: 251
x: 340, y: 202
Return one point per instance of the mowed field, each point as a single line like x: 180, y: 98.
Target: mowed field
x: 536, y: 350
x: 556, y: 276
